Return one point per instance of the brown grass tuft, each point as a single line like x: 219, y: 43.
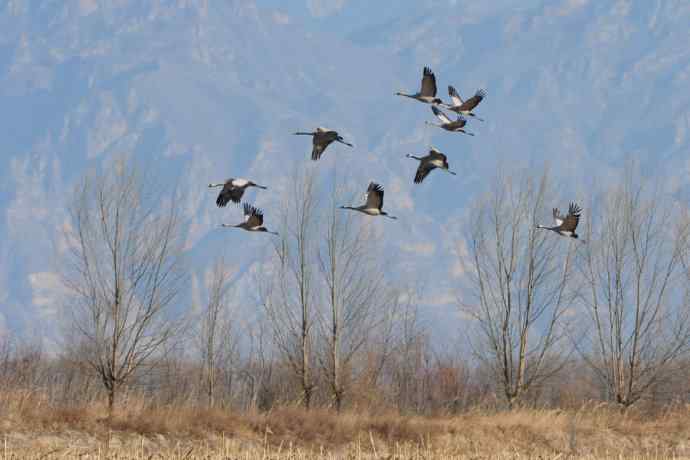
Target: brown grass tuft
x: 590, y: 432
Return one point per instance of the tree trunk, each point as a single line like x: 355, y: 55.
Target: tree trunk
x: 111, y: 400
x: 306, y: 395
x: 306, y: 375
x: 211, y: 385
x: 338, y: 400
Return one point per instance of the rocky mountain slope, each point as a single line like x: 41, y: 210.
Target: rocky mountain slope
x: 204, y: 90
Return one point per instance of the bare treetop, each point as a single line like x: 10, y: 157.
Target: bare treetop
x: 124, y: 274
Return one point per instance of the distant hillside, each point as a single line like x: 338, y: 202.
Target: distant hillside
x: 202, y: 91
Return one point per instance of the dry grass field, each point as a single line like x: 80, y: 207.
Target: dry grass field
x: 35, y: 431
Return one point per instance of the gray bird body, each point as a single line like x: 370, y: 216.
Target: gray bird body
x: 464, y: 108
x: 253, y: 220
x: 455, y: 126
x: 233, y: 190
x: 374, y: 202
x: 433, y: 160
x: 322, y: 138
x: 427, y: 92
x: 565, y: 225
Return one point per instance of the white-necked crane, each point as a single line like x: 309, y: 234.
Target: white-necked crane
x: 565, y: 226
x: 449, y: 125
x: 253, y: 220
x: 374, y: 203
x: 427, y: 93
x: 322, y: 138
x: 464, y: 108
x: 233, y: 189
x: 435, y: 159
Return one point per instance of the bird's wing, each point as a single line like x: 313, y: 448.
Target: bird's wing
x: 374, y: 196
x: 474, y: 101
x: 460, y: 121
x: 229, y: 193
x: 454, y: 96
x: 254, y: 217
x: 428, y: 83
x: 440, y: 115
x: 248, y: 210
x: 236, y: 194
x: 443, y: 158
x: 557, y: 218
x: 572, y: 219
x: 436, y: 154
x: 422, y: 171
x: 320, y: 142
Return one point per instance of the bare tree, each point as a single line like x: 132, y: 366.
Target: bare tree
x: 354, y: 296
x: 216, y: 337
x: 289, y: 295
x: 515, y: 286
x: 257, y: 370
x: 409, y: 346
x: 124, y: 274
x: 636, y: 295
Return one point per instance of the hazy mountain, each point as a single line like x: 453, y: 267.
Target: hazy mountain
x: 205, y: 90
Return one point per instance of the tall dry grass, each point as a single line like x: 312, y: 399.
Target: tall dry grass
x: 31, y: 427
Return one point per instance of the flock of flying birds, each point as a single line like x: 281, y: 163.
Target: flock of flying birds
x: 233, y: 189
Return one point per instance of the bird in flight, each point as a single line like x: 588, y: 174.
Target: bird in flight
x: 427, y: 93
x: 374, y: 202
x: 565, y: 225
x: 435, y: 159
x: 322, y: 138
x: 232, y: 190
x: 253, y: 220
x: 464, y: 108
x: 449, y: 125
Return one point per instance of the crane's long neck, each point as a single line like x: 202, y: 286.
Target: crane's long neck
x: 384, y: 213
x: 356, y: 208
x: 302, y: 133
x: 406, y: 95
x: 433, y: 124
x: 413, y: 157
x: 215, y: 185
x: 263, y: 187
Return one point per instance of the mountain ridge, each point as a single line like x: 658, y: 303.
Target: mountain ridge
x: 205, y: 91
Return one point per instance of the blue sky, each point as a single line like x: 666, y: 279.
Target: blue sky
x: 214, y: 89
